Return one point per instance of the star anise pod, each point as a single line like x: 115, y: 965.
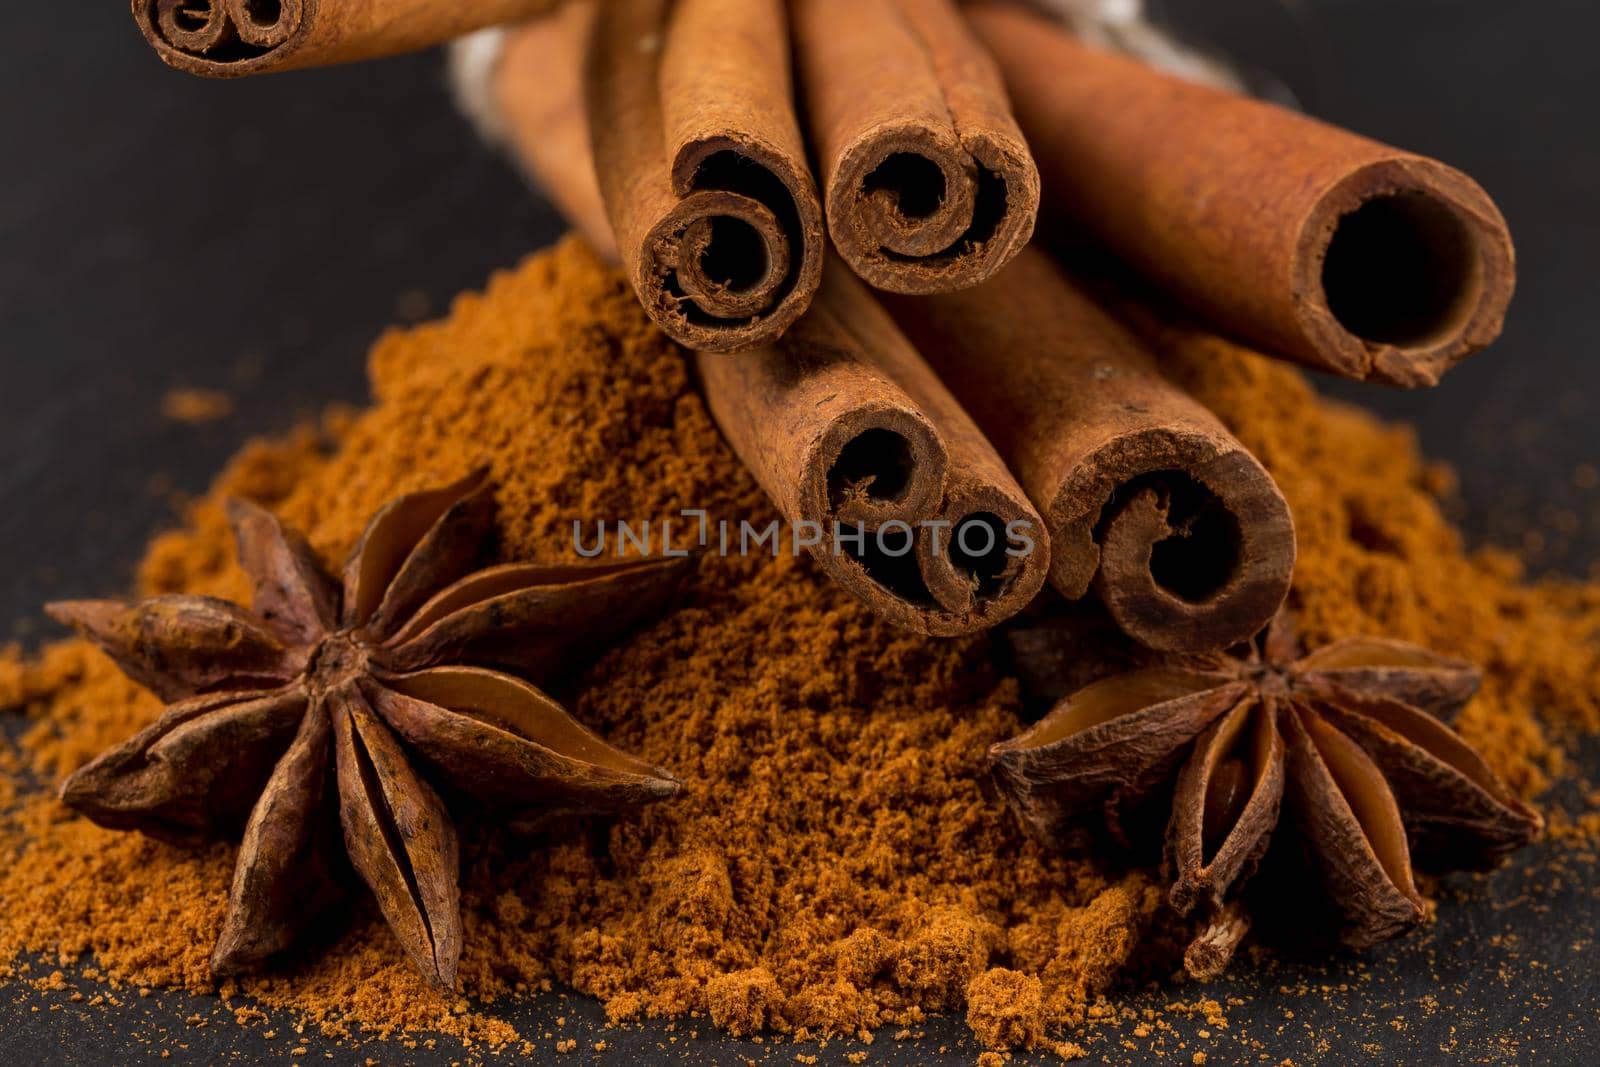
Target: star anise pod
x: 328, y: 710
x: 1349, y: 738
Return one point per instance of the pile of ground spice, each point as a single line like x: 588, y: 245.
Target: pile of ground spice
x: 838, y: 861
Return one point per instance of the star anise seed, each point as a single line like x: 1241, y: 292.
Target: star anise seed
x: 321, y: 720
x: 1349, y: 737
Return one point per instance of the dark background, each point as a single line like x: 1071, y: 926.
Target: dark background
x: 159, y: 231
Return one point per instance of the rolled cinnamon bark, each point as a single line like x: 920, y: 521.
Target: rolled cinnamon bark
x: 840, y: 420
x: 535, y: 96
x: 1321, y: 246
x: 231, y: 38
x: 701, y: 166
x: 851, y: 434
x: 1148, y: 499
x: 929, y: 184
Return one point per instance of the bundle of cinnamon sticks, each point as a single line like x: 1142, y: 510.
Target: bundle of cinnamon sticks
x: 759, y: 167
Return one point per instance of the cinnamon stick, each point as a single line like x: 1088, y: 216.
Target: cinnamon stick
x: 231, y: 38
x: 1149, y: 501
x: 535, y: 96
x: 839, y: 420
x: 928, y: 182
x: 848, y: 430
x: 701, y: 166
x: 1320, y: 245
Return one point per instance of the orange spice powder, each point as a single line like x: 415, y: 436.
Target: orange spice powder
x: 838, y: 861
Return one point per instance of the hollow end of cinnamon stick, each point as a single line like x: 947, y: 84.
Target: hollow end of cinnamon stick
x: 915, y: 212
x: 982, y: 559
x: 1148, y: 500
x: 1193, y: 544
x: 235, y: 38
x: 1409, y: 267
x: 737, y: 259
x: 1308, y: 241
x: 223, y: 39
x: 850, y: 434
x: 885, y: 470
x: 928, y: 183
x: 701, y: 166
x: 878, y: 460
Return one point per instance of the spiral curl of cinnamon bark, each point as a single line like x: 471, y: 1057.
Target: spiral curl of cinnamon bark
x: 701, y: 166
x: 220, y: 31
x: 846, y: 428
x: 1149, y: 501
x: 839, y: 420
x: 232, y: 38
x: 929, y: 184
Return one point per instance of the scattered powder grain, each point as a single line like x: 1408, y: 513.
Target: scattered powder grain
x: 194, y: 406
x: 838, y: 861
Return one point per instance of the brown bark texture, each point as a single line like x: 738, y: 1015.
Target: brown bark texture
x: 1307, y: 240
x: 1149, y: 501
x: 928, y: 183
x: 847, y: 429
x: 839, y: 420
x: 537, y: 90
x: 701, y: 166
x: 232, y: 38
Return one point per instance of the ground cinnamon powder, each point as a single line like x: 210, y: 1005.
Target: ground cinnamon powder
x: 838, y: 861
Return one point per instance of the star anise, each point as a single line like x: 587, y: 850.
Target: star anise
x: 1349, y: 737
x: 306, y: 715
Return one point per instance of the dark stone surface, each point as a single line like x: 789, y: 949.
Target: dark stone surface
x: 159, y: 231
